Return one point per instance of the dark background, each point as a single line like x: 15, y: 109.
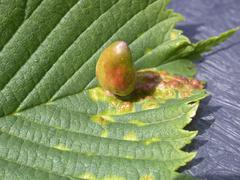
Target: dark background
x: 218, y: 119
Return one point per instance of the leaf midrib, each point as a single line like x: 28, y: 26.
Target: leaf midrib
x: 19, y: 106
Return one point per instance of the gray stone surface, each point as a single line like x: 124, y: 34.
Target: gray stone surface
x: 218, y: 119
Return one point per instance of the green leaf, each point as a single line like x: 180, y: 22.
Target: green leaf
x: 55, y: 123
x: 182, y: 67
x: 207, y: 45
x: 13, y: 14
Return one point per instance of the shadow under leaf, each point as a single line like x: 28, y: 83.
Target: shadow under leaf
x: 201, y: 122
x: 146, y: 83
x: 190, y: 30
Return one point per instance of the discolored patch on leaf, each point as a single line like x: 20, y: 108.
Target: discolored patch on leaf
x: 115, y: 104
x: 137, y: 123
x: 88, y: 175
x: 130, y: 136
x: 102, y: 120
x: 153, y: 88
x: 147, y: 177
x: 113, y: 178
x: 104, y: 133
x: 152, y: 140
x: 62, y: 147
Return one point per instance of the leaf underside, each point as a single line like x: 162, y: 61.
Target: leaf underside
x: 55, y: 123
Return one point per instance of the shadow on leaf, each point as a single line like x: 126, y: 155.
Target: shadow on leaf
x: 146, y: 84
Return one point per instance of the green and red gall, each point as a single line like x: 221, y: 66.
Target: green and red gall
x: 115, y: 71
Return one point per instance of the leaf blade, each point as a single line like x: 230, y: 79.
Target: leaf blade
x: 54, y: 126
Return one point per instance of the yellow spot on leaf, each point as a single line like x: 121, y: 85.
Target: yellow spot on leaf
x: 102, y: 120
x: 137, y: 122
x: 147, y: 177
x: 193, y: 111
x: 104, y: 133
x: 150, y: 104
x: 131, y: 136
x: 148, y: 51
x: 166, y: 86
x: 61, y: 147
x: 165, y: 93
x: 173, y: 35
x: 129, y: 157
x: 113, y: 178
x: 97, y: 94
x: 116, y: 106
x: 126, y: 107
x: 152, y: 140
x: 88, y: 175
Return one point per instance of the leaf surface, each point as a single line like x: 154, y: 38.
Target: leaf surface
x: 55, y: 123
